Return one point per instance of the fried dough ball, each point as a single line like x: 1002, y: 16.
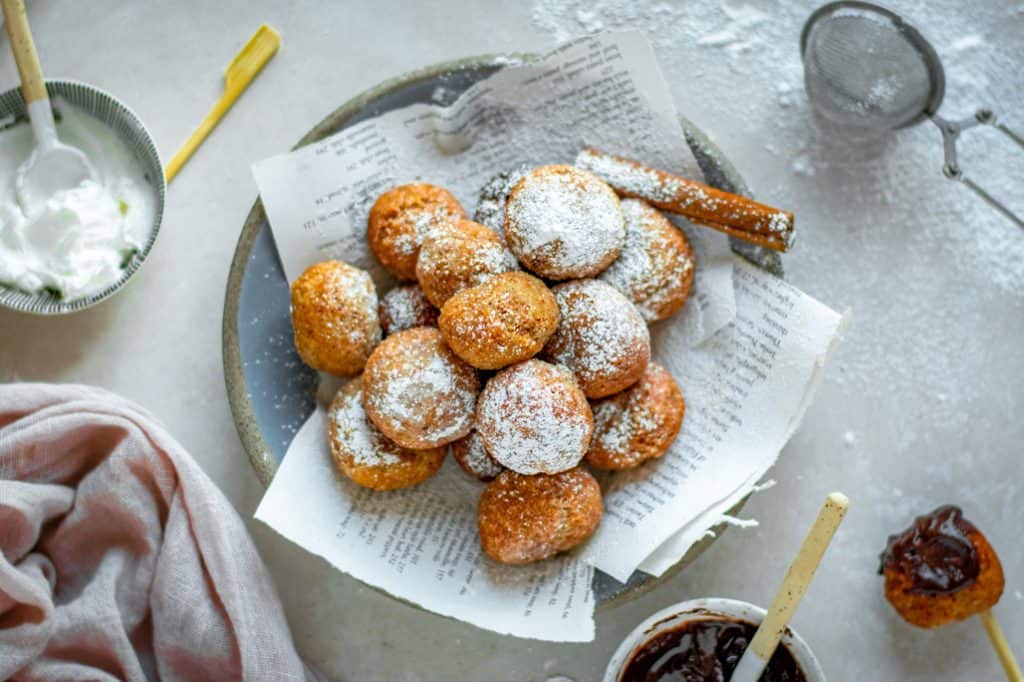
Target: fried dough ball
x: 403, y: 218
x: 655, y: 269
x: 459, y: 259
x: 564, y: 223
x: 405, y: 307
x: 638, y: 424
x: 365, y: 455
x: 417, y: 392
x: 941, y: 569
x: 523, y: 519
x: 533, y: 418
x: 334, y: 317
x: 506, y: 319
x: 600, y: 337
x: 490, y: 205
x: 471, y: 454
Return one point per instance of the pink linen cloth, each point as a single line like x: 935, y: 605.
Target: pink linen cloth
x: 119, y: 557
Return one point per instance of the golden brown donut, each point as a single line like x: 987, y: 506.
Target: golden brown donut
x: 401, y: 220
x: 459, y: 259
x: 471, y: 454
x: 656, y: 266
x: 405, y: 307
x: 334, y: 317
x: 533, y: 418
x: 522, y: 519
x: 563, y: 223
x: 506, y: 319
x: 638, y: 424
x: 419, y: 393
x: 941, y: 569
x: 365, y: 455
x: 600, y: 337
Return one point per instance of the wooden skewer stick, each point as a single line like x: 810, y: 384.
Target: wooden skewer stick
x: 239, y: 74
x: 995, y: 635
x: 799, y: 576
x: 732, y: 214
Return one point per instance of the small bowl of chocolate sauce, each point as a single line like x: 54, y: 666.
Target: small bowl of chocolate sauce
x: 703, y: 639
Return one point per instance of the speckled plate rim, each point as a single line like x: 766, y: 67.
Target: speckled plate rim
x: 709, y: 157
x: 114, y: 113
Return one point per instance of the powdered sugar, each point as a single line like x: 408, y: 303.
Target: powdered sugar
x: 630, y: 178
x: 426, y: 223
x: 534, y: 418
x: 405, y: 307
x: 600, y: 335
x: 471, y: 454
x: 490, y: 208
x: 562, y: 222
x: 615, y: 425
x: 654, y: 270
x: 356, y: 437
x: 415, y: 384
x: 452, y: 262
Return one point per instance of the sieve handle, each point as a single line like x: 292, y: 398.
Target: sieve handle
x: 951, y: 168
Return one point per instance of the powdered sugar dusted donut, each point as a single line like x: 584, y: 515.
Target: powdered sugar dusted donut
x: 564, y: 223
x: 406, y: 307
x: 459, y: 259
x: 600, y: 337
x: 417, y: 391
x: 403, y: 218
x: 656, y: 266
x: 506, y: 319
x: 637, y: 424
x: 334, y: 317
x: 471, y: 454
x: 533, y: 418
x: 490, y: 208
x: 522, y: 519
x: 365, y: 455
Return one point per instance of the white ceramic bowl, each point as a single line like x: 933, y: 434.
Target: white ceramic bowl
x: 129, y: 128
x: 712, y: 608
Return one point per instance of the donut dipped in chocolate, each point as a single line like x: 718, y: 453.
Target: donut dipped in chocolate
x: 941, y: 569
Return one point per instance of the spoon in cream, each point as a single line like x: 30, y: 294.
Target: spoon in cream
x: 52, y: 166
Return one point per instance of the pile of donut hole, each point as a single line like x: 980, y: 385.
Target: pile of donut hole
x: 521, y: 346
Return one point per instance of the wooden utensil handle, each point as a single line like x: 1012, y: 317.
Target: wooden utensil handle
x: 33, y: 88
x: 702, y: 204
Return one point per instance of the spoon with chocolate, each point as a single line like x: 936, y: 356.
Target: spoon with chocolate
x: 943, y: 569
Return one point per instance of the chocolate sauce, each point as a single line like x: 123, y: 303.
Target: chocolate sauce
x: 936, y: 553
x: 703, y: 650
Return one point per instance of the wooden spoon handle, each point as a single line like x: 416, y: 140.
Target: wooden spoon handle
x: 33, y: 88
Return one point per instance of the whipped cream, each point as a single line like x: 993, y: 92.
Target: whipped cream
x: 79, y: 240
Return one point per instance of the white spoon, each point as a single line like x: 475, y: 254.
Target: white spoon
x: 52, y: 166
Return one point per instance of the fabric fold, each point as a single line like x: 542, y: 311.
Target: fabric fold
x: 119, y: 557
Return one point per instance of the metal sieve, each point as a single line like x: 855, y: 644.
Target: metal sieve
x: 865, y: 67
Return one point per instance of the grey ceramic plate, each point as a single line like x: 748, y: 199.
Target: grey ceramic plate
x: 270, y: 390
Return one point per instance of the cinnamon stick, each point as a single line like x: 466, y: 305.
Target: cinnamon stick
x: 732, y: 214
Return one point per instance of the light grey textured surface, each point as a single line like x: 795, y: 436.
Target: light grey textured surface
x: 919, y: 407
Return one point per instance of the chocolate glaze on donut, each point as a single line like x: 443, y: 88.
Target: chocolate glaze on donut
x: 936, y: 552
x: 702, y: 650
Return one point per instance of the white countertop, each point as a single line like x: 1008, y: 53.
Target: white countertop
x: 919, y: 407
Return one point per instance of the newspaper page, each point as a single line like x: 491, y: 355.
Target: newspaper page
x: 745, y: 390
x: 744, y: 377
